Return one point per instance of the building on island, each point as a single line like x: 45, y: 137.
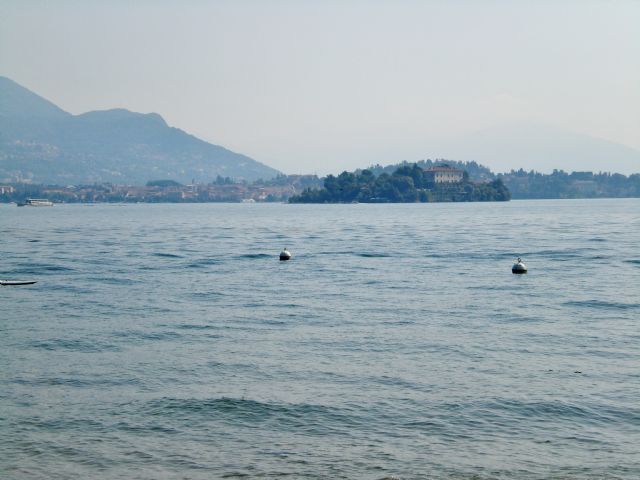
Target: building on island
x: 443, y: 174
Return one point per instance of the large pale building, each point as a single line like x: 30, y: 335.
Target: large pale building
x: 443, y: 174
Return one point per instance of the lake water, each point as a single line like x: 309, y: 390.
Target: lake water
x: 168, y: 341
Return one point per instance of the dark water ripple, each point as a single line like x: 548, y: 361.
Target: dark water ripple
x: 604, y: 305
x: 254, y: 256
x: 168, y: 341
x: 167, y: 255
x: 78, y: 345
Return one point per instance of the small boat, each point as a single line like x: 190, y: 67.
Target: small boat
x: 36, y: 202
x: 519, y: 267
x: 285, y: 254
x: 17, y: 282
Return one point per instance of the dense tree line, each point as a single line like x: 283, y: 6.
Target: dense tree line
x: 406, y: 184
x: 299, y: 181
x: 476, y: 172
x: 561, y: 184
x: 163, y: 183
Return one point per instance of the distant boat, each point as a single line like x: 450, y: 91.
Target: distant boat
x: 36, y: 202
x: 17, y: 282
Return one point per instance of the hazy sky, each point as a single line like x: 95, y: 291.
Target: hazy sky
x: 319, y: 86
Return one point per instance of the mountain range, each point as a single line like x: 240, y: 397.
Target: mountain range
x: 41, y: 143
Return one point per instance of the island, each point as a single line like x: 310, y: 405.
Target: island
x: 407, y: 184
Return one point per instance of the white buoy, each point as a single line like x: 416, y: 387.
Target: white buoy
x: 519, y: 267
x: 285, y: 254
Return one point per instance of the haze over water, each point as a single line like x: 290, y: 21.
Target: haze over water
x: 168, y: 341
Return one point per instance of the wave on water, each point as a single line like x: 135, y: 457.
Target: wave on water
x: 205, y: 262
x: 206, y: 296
x: 68, y: 229
x: 561, y: 411
x: 67, y: 288
x: 311, y: 419
x: 114, y: 280
x: 76, y: 345
x: 60, y: 424
x: 603, y: 304
x: 167, y: 255
x: 40, y: 269
x: 138, y: 336
x: 451, y: 419
x: 190, y: 326
x: 560, y: 255
x: 254, y: 256
x: 75, y: 382
x: 357, y: 254
x: 508, y: 416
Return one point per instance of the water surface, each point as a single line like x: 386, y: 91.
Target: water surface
x: 168, y: 341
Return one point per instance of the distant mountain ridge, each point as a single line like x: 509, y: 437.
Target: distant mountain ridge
x: 19, y: 102
x: 41, y: 143
x: 539, y: 147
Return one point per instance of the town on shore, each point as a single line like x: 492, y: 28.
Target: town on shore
x: 424, y: 181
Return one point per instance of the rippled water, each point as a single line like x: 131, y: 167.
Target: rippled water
x: 168, y: 341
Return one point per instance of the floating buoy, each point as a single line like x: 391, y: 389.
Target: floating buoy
x: 285, y: 254
x: 17, y: 282
x: 519, y: 267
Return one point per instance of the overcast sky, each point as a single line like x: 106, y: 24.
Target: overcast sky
x: 321, y: 86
